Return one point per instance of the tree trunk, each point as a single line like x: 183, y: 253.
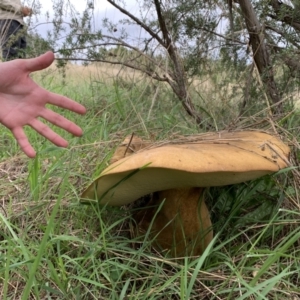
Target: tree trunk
x: 260, y: 53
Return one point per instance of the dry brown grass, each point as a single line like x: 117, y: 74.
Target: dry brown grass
x: 106, y: 73
x: 99, y: 71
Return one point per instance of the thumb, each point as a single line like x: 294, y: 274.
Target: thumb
x: 39, y: 63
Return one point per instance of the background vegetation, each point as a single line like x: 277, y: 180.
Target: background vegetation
x: 52, y: 247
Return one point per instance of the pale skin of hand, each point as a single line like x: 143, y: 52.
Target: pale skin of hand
x: 22, y: 102
x: 26, y: 11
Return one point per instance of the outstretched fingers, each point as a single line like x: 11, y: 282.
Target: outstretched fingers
x: 60, y: 121
x: 45, y: 131
x: 48, y: 133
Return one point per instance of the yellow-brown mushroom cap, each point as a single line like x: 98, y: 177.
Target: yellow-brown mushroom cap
x: 212, y: 159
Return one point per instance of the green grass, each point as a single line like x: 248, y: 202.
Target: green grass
x: 53, y: 247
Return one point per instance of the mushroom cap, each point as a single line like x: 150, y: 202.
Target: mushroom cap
x: 204, y: 160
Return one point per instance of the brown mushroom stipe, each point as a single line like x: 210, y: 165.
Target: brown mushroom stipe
x: 176, y: 228
x: 175, y: 169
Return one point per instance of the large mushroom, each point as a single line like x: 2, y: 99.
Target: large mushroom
x: 176, y: 172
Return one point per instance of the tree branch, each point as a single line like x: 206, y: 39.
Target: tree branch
x: 286, y: 14
x: 138, y: 21
x: 230, y: 39
x: 180, y: 88
x: 153, y: 75
x: 293, y: 62
x: 283, y: 34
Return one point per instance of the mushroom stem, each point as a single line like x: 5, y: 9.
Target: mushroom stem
x: 182, y: 226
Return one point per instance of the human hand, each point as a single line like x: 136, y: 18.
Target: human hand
x: 22, y: 101
x: 26, y: 11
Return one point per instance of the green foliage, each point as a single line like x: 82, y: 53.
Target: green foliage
x: 205, y: 33
x: 37, y: 45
